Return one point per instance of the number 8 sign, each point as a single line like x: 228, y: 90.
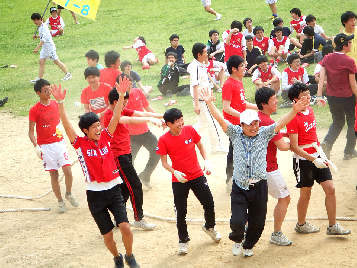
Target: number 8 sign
x: 85, y: 8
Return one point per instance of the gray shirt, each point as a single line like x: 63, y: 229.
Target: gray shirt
x: 249, y: 154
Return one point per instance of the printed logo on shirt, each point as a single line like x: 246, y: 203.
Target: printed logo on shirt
x: 188, y: 141
x: 309, y: 126
x: 115, y: 171
x: 98, y: 103
x: 157, y: 148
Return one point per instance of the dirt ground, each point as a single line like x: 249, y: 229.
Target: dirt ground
x: 50, y: 239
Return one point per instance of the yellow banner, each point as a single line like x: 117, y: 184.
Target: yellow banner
x: 85, y: 8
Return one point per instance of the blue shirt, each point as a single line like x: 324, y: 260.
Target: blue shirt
x: 179, y: 51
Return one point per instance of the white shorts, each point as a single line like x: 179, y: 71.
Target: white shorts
x: 206, y: 3
x: 277, y: 187
x: 271, y: 1
x: 55, y: 155
x: 148, y: 56
x: 55, y: 31
x: 48, y: 53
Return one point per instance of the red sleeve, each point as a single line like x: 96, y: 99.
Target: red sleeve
x: 107, y: 117
x: 127, y: 112
x: 195, y: 135
x: 161, y: 147
x: 33, y: 114
x: 84, y: 97
x: 293, y: 126
x: 227, y: 92
x: 143, y: 99
x: 76, y: 144
x: 277, y: 137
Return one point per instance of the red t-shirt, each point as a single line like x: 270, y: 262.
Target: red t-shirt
x: 298, y: 28
x: 233, y: 91
x: 304, y: 124
x: 338, y: 68
x: 265, y: 76
x: 137, y: 101
x: 272, y: 161
x: 234, y: 47
x: 120, y: 143
x: 278, y: 43
x: 262, y: 44
x: 97, y: 161
x: 109, y: 76
x: 299, y: 74
x: 55, y: 22
x: 182, y: 152
x: 47, y: 119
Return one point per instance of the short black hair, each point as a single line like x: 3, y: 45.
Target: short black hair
x: 114, y: 95
x: 91, y: 71
x: 92, y: 54
x: 258, y: 28
x: 277, y: 21
x: 236, y: 24
x: 292, y: 57
x: 86, y: 120
x: 245, y: 21
x: 171, y: 115
x: 296, y: 89
x: 110, y: 58
x: 296, y: 11
x: 262, y: 96
x: 171, y: 54
x: 233, y: 62
x: 40, y: 84
x: 122, y: 75
x: 326, y: 49
x: 310, y: 18
x: 173, y: 36
x: 198, y: 49
x: 124, y: 64
x: 260, y: 59
x: 309, y: 31
x: 36, y: 16
x: 249, y: 37
x: 142, y: 39
x: 212, y: 32
x: 346, y: 16
x: 278, y: 29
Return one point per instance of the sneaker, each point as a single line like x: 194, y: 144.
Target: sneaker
x: 146, y: 67
x: 218, y: 16
x: 306, y: 228
x: 183, y: 248
x: 336, y: 229
x: 219, y: 90
x: 61, y: 207
x: 3, y: 101
x: 71, y: 199
x: 279, y: 239
x: 237, y: 249
x: 216, y: 236
x: 183, y: 93
x: 147, y: 184
x: 247, y: 252
x: 275, y: 65
x: 326, y: 148
x: 219, y: 150
x: 348, y: 156
x: 130, y: 260
x: 143, y: 224
x: 286, y: 104
x: 77, y: 22
x: 118, y: 261
x: 67, y: 77
x: 35, y: 80
x: 169, y: 94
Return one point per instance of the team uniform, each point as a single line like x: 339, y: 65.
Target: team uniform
x: 48, y: 50
x: 286, y: 32
x: 205, y: 3
x: 170, y: 78
x: 287, y: 79
x: 99, y: 66
x: 263, y: 44
x: 143, y: 52
x: 213, y: 48
x: 181, y: 150
x: 236, y: 45
x: 317, y: 68
x: 285, y: 42
x: 300, y: 24
x: 267, y: 75
x: 49, y: 135
x: 55, y: 23
x: 214, y: 65
x: 109, y: 76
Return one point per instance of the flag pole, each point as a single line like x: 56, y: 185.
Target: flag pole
x: 43, y: 14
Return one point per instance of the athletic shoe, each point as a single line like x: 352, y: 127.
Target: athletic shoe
x: 169, y: 94
x: 306, y: 228
x: 247, y: 252
x: 147, y: 184
x: 67, y: 77
x: 276, y: 65
x: 146, y: 67
x: 336, y: 229
x: 183, y: 248
x: 77, y: 22
x: 61, y: 207
x: 218, y: 16
x: 219, y: 90
x: 130, y: 260
x: 183, y: 93
x: 143, y: 224
x: 72, y: 200
x: 286, y: 104
x: 326, y: 147
x: 216, y: 236
x: 118, y: 261
x: 35, y: 80
x: 279, y: 239
x: 219, y: 150
x: 348, y: 156
x: 237, y: 249
x: 3, y: 101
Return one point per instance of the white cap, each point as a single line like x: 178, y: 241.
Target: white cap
x: 248, y: 116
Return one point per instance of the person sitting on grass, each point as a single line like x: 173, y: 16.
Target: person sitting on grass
x: 266, y: 75
x: 311, y: 21
x: 248, y: 24
x: 252, y: 53
x: 215, y: 47
x: 55, y: 22
x: 93, y: 58
x: 313, y: 43
x: 234, y: 41
x: 298, y: 23
x: 178, y: 49
x: 260, y: 40
x: 110, y: 73
x: 278, y: 47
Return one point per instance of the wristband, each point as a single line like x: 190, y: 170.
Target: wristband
x: 59, y: 102
x: 122, y: 94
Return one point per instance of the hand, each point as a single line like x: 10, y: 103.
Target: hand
x: 35, y: 36
x: 35, y: 50
x: 235, y: 30
x: 57, y: 92
x: 39, y: 151
x: 319, y: 163
x: 163, y: 123
x: 197, y: 109
x: 320, y: 101
x: 207, y: 167
x: 284, y: 133
x: 156, y: 122
x: 171, y: 63
x: 301, y: 104
x: 207, y: 95
x: 180, y: 176
x: 123, y: 85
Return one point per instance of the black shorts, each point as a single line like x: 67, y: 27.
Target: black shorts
x: 101, y: 202
x: 306, y: 173
x: 60, y: 7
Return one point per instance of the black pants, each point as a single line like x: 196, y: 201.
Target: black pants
x: 132, y: 186
x: 255, y: 202
x: 149, y: 141
x: 201, y: 190
x: 229, y: 168
x: 341, y: 108
x: 172, y: 87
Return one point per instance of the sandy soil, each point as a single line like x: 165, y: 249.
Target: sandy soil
x: 50, y: 239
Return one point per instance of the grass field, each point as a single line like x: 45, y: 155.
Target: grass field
x: 116, y: 25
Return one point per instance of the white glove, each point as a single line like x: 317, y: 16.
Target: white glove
x: 39, y: 151
x: 207, y: 167
x: 180, y: 176
x: 319, y: 163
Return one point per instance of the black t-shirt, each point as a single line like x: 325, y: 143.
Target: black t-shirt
x: 315, y: 44
x: 251, y: 55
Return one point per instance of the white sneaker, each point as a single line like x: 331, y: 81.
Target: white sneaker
x: 219, y: 150
x: 67, y: 77
x: 248, y: 252
x: 216, y: 236
x: 183, y: 248
x: 218, y: 16
x: 279, y: 239
x: 61, y: 207
x: 143, y: 224
x: 337, y: 229
x: 35, y: 80
x: 72, y: 200
x: 219, y: 90
x: 237, y: 249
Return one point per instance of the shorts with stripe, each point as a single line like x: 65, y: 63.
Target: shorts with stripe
x: 55, y: 155
x: 277, y: 187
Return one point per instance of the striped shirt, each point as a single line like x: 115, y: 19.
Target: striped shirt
x: 249, y: 154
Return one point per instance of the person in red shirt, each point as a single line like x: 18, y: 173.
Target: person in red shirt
x: 112, y: 62
x: 260, y: 40
x: 95, y: 96
x: 266, y: 75
x: 298, y: 23
x: 179, y: 143
x: 278, y: 47
x: 146, y: 57
x: 50, y: 145
x: 101, y: 174
x: 56, y: 22
x: 234, y: 41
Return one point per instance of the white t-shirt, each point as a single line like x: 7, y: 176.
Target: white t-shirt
x: 245, y: 32
x: 45, y: 36
x: 198, y: 75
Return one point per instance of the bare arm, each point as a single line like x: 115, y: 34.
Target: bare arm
x: 147, y: 114
x: 138, y: 120
x: 165, y: 164
x: 202, y: 150
x: 321, y: 81
x: 38, y: 47
x: 252, y: 106
x: 32, y: 133
x: 196, y: 106
x: 149, y: 109
x: 87, y: 108
x: 353, y: 84
x: 282, y: 145
x: 296, y: 149
x: 228, y: 109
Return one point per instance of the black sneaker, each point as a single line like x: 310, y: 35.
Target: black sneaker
x: 118, y: 261
x: 326, y: 148
x: 169, y: 94
x: 348, y: 156
x: 131, y: 261
x: 183, y: 93
x: 2, y: 102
